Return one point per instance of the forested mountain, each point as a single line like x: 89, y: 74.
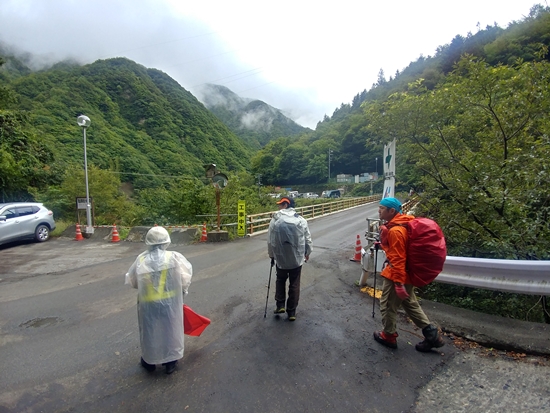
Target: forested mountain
x: 254, y: 121
x: 143, y: 124
x: 347, y: 132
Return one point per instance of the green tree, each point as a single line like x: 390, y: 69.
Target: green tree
x: 24, y: 160
x: 480, y: 142
x: 110, y: 204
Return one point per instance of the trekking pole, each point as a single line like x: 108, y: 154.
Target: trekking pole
x: 268, y: 284
x: 376, y: 248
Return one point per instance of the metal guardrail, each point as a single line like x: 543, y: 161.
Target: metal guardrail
x: 513, y: 276
x: 260, y: 222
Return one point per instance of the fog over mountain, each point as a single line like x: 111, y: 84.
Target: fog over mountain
x: 254, y: 120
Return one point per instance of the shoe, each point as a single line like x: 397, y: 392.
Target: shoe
x: 389, y: 340
x: 432, y: 339
x: 147, y: 366
x: 292, y: 317
x: 279, y: 310
x: 171, y: 366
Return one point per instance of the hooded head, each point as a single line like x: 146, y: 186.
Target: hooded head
x: 157, y: 237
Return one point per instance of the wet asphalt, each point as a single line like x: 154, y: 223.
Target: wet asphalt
x: 68, y: 338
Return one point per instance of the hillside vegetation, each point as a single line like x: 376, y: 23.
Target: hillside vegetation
x: 143, y: 122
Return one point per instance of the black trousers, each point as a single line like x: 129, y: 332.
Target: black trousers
x: 293, y: 276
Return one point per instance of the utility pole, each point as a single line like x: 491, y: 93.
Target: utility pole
x: 259, y: 176
x: 329, y: 158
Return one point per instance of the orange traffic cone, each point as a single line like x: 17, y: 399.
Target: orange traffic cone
x: 204, y: 236
x: 357, y: 256
x: 114, y: 235
x: 79, y: 236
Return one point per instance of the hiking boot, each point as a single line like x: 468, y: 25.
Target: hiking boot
x: 432, y: 339
x: 279, y: 310
x: 171, y: 366
x: 389, y: 340
x: 292, y: 317
x: 147, y: 366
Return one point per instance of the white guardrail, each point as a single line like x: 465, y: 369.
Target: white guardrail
x: 513, y: 276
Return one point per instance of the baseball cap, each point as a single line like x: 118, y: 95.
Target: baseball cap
x: 284, y: 199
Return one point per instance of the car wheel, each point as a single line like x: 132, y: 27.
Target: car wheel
x: 42, y: 233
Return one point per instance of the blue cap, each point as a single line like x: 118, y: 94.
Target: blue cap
x: 392, y: 203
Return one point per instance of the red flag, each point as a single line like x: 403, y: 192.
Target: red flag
x: 193, y: 323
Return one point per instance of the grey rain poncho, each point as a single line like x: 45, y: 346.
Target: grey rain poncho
x: 162, y: 279
x: 289, y: 239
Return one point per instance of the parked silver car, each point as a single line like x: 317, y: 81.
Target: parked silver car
x: 22, y: 220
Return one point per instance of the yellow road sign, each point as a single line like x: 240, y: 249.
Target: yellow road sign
x: 241, y: 218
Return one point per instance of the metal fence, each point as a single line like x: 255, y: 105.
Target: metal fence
x: 260, y: 222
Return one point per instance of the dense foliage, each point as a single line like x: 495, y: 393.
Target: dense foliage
x: 143, y: 123
x: 480, y: 147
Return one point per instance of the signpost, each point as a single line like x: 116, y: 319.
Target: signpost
x: 82, y: 205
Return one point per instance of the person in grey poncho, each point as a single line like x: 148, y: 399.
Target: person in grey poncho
x: 162, y: 279
x: 289, y: 244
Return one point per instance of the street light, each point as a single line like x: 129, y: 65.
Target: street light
x: 84, y: 122
x: 329, y: 157
x: 376, y: 174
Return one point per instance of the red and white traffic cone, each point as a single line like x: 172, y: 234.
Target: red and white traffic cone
x: 358, y: 248
x: 114, y: 235
x: 204, y: 236
x: 78, y: 236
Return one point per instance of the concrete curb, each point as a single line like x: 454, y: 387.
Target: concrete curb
x: 178, y: 236
x: 489, y: 330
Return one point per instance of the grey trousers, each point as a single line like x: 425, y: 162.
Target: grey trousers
x: 390, y: 302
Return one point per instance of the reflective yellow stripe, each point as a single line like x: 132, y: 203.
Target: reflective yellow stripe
x: 157, y: 294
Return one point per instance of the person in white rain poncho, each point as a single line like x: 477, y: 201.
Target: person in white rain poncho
x: 162, y: 279
x: 289, y: 243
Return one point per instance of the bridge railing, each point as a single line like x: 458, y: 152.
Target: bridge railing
x: 260, y: 222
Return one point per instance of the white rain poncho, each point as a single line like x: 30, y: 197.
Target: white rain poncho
x: 288, y: 239
x: 162, y: 278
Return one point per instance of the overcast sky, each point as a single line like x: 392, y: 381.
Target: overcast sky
x: 303, y: 57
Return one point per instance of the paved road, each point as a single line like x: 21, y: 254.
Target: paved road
x: 69, y: 343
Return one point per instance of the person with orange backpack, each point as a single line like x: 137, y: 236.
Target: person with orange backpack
x: 397, y: 289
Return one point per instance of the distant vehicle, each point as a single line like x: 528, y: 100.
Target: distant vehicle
x: 275, y: 195
x: 293, y: 194
x: 335, y: 193
x: 310, y: 195
x: 22, y: 220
